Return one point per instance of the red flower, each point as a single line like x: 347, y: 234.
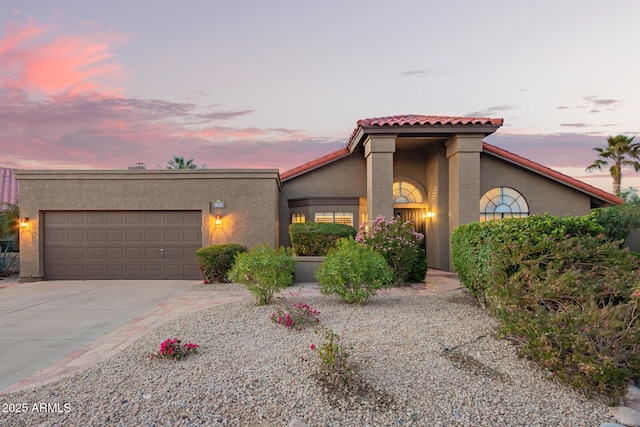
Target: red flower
x: 312, y: 346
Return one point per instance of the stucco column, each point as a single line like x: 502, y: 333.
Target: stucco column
x: 463, y: 154
x: 378, y: 150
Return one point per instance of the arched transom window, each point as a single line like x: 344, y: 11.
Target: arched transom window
x: 503, y: 202
x: 405, y: 192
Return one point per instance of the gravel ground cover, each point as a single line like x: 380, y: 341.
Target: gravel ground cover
x: 423, y: 361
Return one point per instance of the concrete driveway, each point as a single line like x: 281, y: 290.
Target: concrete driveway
x: 42, y: 322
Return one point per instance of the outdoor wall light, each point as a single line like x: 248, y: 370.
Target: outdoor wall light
x: 430, y: 214
x: 24, y: 223
x: 218, y: 221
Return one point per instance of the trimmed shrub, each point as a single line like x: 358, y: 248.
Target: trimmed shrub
x: 216, y: 261
x: 317, y: 238
x: 476, y: 248
x: 354, y: 272
x: 573, y: 305
x: 618, y: 221
x: 399, y: 244
x: 263, y: 271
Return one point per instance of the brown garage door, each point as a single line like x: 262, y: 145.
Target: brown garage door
x: 121, y: 244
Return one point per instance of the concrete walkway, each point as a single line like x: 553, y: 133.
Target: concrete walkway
x: 101, y: 341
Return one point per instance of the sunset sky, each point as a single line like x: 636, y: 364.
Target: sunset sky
x: 105, y: 85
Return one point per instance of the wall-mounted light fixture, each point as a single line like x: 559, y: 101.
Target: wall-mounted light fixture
x: 218, y: 221
x: 25, y: 223
x: 430, y: 214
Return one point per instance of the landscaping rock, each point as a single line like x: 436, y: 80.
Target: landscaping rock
x: 625, y: 415
x: 633, y: 392
x: 297, y: 423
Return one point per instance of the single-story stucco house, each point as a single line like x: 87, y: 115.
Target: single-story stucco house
x: 147, y: 224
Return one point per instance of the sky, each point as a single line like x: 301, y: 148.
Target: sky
x: 274, y: 84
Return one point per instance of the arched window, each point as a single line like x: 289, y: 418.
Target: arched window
x: 503, y: 202
x: 405, y: 192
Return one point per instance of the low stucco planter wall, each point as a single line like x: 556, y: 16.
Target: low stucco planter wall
x: 305, y: 268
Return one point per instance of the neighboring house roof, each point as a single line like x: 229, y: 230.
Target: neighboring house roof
x: 8, y: 187
x: 550, y: 173
x: 484, y: 125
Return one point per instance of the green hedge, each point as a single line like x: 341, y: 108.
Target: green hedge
x: 618, y: 221
x: 216, y: 261
x: 561, y: 288
x: 476, y: 247
x: 316, y: 239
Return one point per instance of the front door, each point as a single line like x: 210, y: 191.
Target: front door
x: 414, y: 216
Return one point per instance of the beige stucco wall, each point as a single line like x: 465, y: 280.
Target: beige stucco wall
x: 346, y: 177
x: 543, y: 195
x: 437, y: 187
x: 250, y: 215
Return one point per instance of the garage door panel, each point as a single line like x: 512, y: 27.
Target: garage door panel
x: 121, y: 244
x: 95, y: 253
x: 114, y: 217
x: 134, y: 235
x: 191, y: 236
x: 115, y: 235
x: 76, y: 236
x: 96, y: 236
x: 95, y: 271
x: 153, y: 235
x: 115, y: 253
x: 76, y: 253
x: 192, y: 217
x: 95, y: 218
x: 134, y: 254
x: 134, y: 218
x: 77, y: 218
x: 172, y: 235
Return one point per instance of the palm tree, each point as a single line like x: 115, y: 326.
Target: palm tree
x: 621, y: 151
x: 9, y: 222
x: 178, y: 163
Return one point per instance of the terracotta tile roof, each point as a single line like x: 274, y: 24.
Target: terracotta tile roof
x: 314, y: 164
x: 413, y: 119
x: 8, y: 187
x: 537, y: 167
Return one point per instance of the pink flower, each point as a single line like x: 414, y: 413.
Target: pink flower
x: 312, y: 346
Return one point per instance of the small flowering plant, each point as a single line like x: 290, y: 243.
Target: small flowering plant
x: 333, y: 364
x: 295, y: 316
x: 173, y: 348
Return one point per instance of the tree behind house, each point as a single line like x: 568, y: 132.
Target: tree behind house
x: 178, y: 162
x: 621, y: 151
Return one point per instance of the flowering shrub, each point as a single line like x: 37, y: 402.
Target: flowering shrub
x: 295, y: 316
x: 354, y: 272
x: 173, y: 348
x: 334, y: 366
x: 399, y: 244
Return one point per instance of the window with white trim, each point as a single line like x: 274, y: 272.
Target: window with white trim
x: 405, y: 192
x: 336, y: 217
x: 503, y: 202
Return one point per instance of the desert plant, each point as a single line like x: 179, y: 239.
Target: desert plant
x: 7, y: 262
x: 334, y: 367
x: 317, y: 238
x: 263, y: 271
x: 399, y: 244
x: 216, y: 261
x: 354, y: 272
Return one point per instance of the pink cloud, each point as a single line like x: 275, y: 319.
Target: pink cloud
x: 34, y: 58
